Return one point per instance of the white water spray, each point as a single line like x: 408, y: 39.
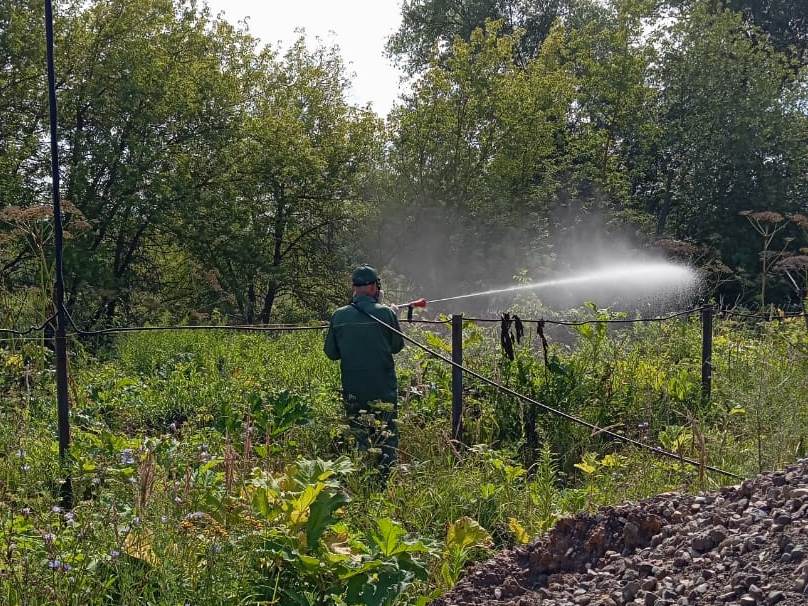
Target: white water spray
x: 660, y: 277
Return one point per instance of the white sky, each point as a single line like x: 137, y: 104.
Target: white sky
x: 359, y: 27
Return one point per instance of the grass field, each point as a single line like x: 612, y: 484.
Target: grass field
x: 216, y: 468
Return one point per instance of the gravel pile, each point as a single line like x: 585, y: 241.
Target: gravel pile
x: 746, y: 545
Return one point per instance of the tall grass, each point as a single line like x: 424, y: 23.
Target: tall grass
x: 175, y: 432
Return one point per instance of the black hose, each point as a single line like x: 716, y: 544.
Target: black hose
x: 491, y: 382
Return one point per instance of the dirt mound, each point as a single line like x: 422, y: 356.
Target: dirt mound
x: 743, y: 546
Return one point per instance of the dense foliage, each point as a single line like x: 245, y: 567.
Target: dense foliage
x: 204, y: 173
x: 213, y: 469
x: 210, y: 179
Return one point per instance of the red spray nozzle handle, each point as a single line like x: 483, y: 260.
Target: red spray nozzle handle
x: 417, y: 303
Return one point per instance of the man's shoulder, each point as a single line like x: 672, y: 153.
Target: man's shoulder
x: 345, y: 310
x: 349, y: 311
x: 383, y: 309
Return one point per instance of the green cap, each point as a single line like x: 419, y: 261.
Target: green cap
x: 364, y: 274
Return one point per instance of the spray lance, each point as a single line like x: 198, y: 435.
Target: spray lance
x: 411, y: 305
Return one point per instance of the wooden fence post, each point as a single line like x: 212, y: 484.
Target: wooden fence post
x: 706, y: 352
x: 457, y: 377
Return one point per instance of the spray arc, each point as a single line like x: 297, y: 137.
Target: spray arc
x: 658, y: 275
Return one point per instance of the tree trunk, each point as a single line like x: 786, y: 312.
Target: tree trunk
x: 665, y: 209
x: 249, y: 314
x: 111, y: 308
x: 269, y: 301
x: 277, y: 257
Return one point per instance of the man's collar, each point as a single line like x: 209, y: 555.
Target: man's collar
x: 363, y: 299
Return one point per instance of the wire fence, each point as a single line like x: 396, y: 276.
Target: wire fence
x: 455, y: 323
x: 280, y: 327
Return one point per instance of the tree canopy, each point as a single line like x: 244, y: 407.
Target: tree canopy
x: 205, y: 173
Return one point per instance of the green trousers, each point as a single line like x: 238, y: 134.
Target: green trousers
x: 374, y: 426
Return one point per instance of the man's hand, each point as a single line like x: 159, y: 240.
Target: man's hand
x: 394, y: 307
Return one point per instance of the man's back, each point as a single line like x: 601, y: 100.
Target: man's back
x: 365, y: 350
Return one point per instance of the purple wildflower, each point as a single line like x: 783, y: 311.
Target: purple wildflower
x: 58, y: 565
x: 127, y: 457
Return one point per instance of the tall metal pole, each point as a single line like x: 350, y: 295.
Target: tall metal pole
x: 63, y: 405
x: 457, y: 377
x: 706, y: 353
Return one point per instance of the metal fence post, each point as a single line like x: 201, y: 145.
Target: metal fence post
x: 706, y: 352
x: 457, y: 377
x: 62, y: 403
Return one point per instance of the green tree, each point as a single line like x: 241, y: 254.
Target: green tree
x: 193, y: 156
x: 22, y: 107
x: 476, y: 154
x: 781, y: 23
x: 149, y: 98
x: 784, y: 21
x: 428, y: 26
x: 290, y: 196
x: 612, y: 114
x: 727, y: 136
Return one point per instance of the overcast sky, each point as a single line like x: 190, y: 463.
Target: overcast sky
x: 359, y: 27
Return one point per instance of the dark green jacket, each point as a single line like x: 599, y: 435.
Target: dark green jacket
x: 365, y: 349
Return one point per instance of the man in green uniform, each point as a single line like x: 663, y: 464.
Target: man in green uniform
x: 365, y: 350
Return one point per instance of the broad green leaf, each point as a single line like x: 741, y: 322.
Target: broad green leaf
x: 586, y: 467
x: 321, y: 515
x: 612, y: 460
x: 589, y: 463
x: 388, y: 536
x: 488, y: 490
x: 310, y: 562
x: 466, y: 533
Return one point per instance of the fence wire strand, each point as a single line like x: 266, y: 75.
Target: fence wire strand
x: 766, y: 318
x: 240, y: 328
x: 29, y: 330
x: 78, y: 332
x: 555, y: 411
x: 285, y: 327
x: 596, y: 321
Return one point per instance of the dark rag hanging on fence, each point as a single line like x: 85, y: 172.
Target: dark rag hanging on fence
x: 506, y: 337
x: 544, y: 346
